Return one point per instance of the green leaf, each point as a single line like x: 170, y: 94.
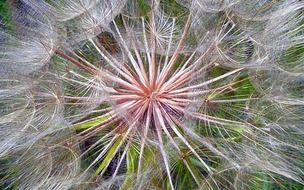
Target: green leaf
x: 110, y: 155
x: 91, y: 123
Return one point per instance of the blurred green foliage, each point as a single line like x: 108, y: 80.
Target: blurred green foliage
x: 5, y: 15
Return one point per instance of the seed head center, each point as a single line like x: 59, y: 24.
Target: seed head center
x: 153, y: 95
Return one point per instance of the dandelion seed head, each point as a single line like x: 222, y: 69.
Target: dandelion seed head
x: 137, y: 95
